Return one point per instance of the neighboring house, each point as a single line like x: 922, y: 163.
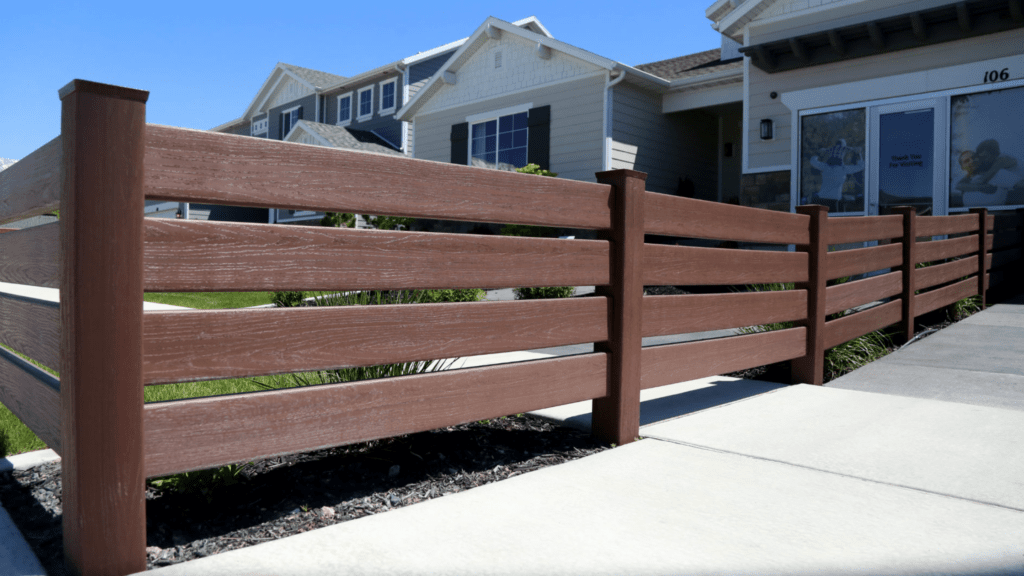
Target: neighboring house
x: 308, y: 106
x: 509, y: 97
x: 865, y: 105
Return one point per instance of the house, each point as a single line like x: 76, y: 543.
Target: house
x: 865, y: 105
x: 510, y: 96
x: 298, y: 104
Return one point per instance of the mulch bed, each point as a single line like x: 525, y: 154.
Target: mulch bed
x: 288, y: 495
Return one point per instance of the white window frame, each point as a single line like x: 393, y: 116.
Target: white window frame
x: 359, y: 106
x: 284, y: 134
x: 351, y: 109
x: 259, y: 127
x: 495, y: 115
x: 394, y: 104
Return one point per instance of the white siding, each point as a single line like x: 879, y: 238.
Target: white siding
x: 776, y: 152
x: 665, y: 146
x: 577, y: 108
x: 521, y: 69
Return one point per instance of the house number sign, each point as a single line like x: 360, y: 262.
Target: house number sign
x: 997, y: 75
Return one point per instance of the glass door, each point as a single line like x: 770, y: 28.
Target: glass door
x: 908, y: 157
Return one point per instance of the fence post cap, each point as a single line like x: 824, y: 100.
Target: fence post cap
x: 103, y: 90
x: 621, y: 171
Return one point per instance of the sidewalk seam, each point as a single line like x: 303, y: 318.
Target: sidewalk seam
x: 834, y: 473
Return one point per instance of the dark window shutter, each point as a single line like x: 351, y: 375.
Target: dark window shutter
x: 299, y: 115
x: 539, y: 148
x: 460, y: 144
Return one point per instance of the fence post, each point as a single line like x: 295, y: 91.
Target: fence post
x: 908, y: 314
x: 101, y: 208
x: 982, y: 251
x: 616, y: 418
x: 810, y: 369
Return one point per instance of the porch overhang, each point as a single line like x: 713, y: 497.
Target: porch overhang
x: 911, y: 30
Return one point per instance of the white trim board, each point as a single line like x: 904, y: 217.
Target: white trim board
x: 474, y: 118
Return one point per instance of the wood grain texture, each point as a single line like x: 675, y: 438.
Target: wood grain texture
x: 686, y: 217
x: 203, y: 345
x: 674, y: 363
x: 665, y: 315
x: 942, y: 249
x: 941, y: 273
x: 942, y: 225
x: 31, y: 327
x: 935, y: 299
x: 188, y: 256
x: 690, y: 266
x: 855, y: 325
x: 863, y: 229
x: 810, y: 366
x: 861, y: 260
x: 859, y: 292
x: 615, y: 418
x: 33, y: 396
x: 101, y: 209
x: 204, y: 432
x: 908, y: 271
x: 31, y: 256
x: 32, y: 185
x: 211, y: 168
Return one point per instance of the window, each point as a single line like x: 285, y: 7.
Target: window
x: 387, y: 96
x: 259, y: 128
x: 832, y: 154
x: 365, y: 103
x: 986, y: 149
x: 500, y: 143
x: 345, y: 109
x: 288, y: 120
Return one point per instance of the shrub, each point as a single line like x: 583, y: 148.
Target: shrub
x: 453, y: 295
x: 546, y: 292
x: 288, y: 299
x: 532, y: 168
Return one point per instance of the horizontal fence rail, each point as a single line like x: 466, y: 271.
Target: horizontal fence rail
x: 192, y: 434
x: 671, y: 216
x: 103, y: 255
x: 32, y: 185
x: 209, y: 168
x: 31, y: 256
x: 210, y: 256
x: 205, y: 345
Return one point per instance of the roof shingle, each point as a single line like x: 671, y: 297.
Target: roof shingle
x: 314, y: 77
x: 351, y: 139
x: 690, y: 65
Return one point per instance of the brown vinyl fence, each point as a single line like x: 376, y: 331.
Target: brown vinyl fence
x: 103, y: 255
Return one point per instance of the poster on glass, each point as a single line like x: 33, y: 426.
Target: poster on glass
x: 986, y: 149
x: 832, y: 160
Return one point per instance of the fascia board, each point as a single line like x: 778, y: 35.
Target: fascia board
x: 646, y: 77
x: 741, y: 12
x: 360, y: 78
x: 694, y: 81
x: 534, y: 21
x: 718, y: 10
x: 270, y: 83
x: 266, y: 95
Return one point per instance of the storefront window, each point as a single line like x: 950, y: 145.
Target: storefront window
x: 832, y: 160
x: 987, y: 149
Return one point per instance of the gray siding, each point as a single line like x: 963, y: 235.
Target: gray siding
x: 665, y: 146
x: 308, y: 104
x: 384, y: 126
x: 776, y: 152
x: 577, y: 112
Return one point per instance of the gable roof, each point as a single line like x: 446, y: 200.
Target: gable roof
x: 315, y: 78
x: 691, y: 65
x: 340, y: 137
x: 479, y: 39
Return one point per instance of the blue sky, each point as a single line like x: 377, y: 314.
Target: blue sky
x: 203, y: 62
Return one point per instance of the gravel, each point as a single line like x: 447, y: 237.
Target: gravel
x: 288, y: 495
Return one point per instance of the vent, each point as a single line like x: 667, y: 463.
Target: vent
x: 497, y: 59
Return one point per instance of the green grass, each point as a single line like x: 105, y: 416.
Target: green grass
x: 211, y: 300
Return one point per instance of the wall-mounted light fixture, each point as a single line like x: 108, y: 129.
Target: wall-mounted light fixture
x: 766, y: 129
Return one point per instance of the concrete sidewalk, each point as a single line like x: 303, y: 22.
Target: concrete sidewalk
x: 732, y: 477
x: 978, y: 361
